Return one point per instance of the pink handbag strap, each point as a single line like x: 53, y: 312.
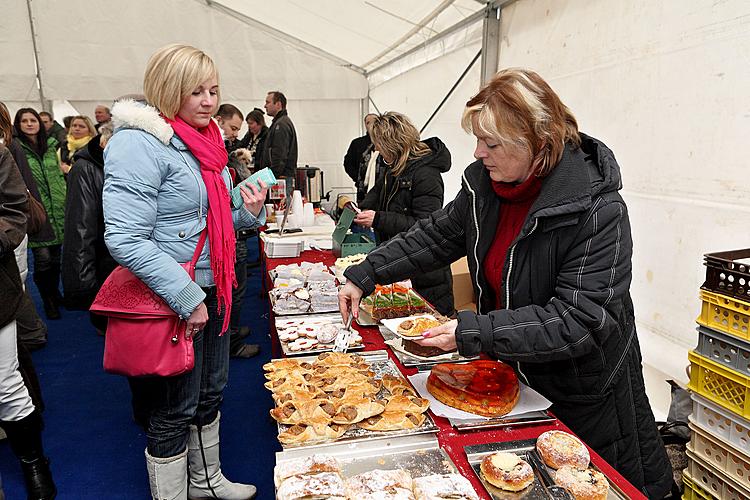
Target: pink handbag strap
x: 197, y: 253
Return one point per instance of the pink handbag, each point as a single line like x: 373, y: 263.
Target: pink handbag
x: 145, y: 337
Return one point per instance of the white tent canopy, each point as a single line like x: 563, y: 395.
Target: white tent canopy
x: 662, y: 83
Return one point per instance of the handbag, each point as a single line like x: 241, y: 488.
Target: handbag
x: 37, y: 216
x: 144, y: 336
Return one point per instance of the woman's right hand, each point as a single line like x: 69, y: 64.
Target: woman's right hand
x: 197, y: 320
x: 349, y: 296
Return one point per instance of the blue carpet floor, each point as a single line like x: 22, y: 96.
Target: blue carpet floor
x: 95, y: 448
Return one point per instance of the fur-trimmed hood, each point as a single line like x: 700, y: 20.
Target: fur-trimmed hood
x: 131, y: 114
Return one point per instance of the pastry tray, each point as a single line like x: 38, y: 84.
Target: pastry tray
x: 530, y: 418
x: 419, y: 363
x: 319, y: 347
x: 475, y: 454
x: 272, y: 298
x: 381, y: 364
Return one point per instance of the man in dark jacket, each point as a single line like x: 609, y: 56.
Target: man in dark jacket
x: 86, y: 259
x: 53, y: 128
x: 280, y: 148
x: 357, y: 158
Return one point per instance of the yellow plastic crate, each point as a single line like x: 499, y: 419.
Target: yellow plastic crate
x: 725, y: 314
x: 725, y: 387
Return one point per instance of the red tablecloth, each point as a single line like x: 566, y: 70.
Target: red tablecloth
x: 451, y: 440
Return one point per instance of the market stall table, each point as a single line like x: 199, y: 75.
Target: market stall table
x: 450, y: 439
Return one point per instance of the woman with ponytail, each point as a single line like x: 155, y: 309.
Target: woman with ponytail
x: 166, y: 182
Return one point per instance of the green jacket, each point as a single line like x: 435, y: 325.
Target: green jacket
x: 51, y: 184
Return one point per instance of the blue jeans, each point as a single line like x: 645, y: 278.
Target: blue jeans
x: 193, y: 397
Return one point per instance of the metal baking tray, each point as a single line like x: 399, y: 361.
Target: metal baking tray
x: 336, y: 317
x: 475, y: 454
x: 530, y: 418
x: 420, y: 455
x: 420, y: 364
x: 381, y: 364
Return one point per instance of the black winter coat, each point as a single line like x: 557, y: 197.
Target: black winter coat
x: 401, y: 201
x: 85, y: 258
x: 13, y: 207
x: 569, y: 327
x: 280, y: 147
x: 355, y: 163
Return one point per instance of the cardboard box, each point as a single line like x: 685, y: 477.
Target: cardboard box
x: 346, y: 243
x: 463, y: 290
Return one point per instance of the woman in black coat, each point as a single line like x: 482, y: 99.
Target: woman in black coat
x: 410, y: 189
x: 548, y: 243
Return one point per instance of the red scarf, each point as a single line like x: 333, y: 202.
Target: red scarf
x: 515, y: 202
x: 207, y: 146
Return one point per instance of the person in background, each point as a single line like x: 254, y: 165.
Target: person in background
x: 20, y: 419
x: 229, y: 118
x: 80, y: 133
x: 411, y: 189
x: 85, y: 257
x: 549, y: 247
x: 53, y: 128
x: 280, y: 148
x: 31, y: 330
x: 66, y: 125
x: 165, y: 182
x: 358, y: 157
x: 41, y: 156
x: 102, y: 115
x: 256, y: 134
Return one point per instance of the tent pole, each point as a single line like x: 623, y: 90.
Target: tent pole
x: 39, y: 85
x: 451, y: 91
x: 490, y: 43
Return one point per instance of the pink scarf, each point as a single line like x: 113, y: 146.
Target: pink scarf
x: 207, y: 146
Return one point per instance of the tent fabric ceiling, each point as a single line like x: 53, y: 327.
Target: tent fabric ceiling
x: 366, y: 33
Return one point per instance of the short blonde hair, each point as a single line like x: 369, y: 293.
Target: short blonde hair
x: 172, y: 73
x: 518, y: 109
x: 394, y: 134
x: 88, y: 122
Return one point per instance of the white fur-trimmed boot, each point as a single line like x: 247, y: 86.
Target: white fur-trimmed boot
x: 206, y: 479
x: 168, y: 476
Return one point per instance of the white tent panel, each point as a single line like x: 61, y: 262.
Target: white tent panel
x: 17, y: 70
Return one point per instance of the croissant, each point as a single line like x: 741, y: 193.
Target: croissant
x: 392, y: 421
x: 286, y: 372
x: 338, y: 358
x: 330, y: 384
x: 397, y: 385
x: 355, y: 411
x: 298, y: 394
x: 316, y: 412
x: 351, y: 393
x: 286, y: 364
x: 301, y: 433
x: 407, y: 404
x: 288, y: 382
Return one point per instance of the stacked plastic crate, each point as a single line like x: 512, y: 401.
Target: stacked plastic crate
x: 719, y: 449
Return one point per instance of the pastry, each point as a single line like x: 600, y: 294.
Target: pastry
x: 327, y: 333
x: 285, y: 364
x: 506, y: 471
x: 416, y: 327
x: 444, y: 486
x: 301, y: 433
x: 393, y: 421
x: 483, y: 387
x: 324, y: 485
x: 558, y: 448
x: 338, y: 358
x: 330, y: 384
x: 313, y: 464
x: 352, y: 412
x: 298, y: 394
x: 397, y: 385
x: 406, y: 403
x: 380, y: 484
x: 423, y: 351
x: 317, y: 412
x: 287, y: 382
x: 587, y: 484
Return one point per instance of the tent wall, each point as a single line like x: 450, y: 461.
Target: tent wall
x: 662, y: 83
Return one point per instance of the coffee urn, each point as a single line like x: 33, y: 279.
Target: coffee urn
x: 309, y: 180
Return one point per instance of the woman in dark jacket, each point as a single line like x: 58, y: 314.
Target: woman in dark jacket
x: 411, y: 189
x: 42, y: 158
x: 256, y: 134
x: 86, y: 259
x: 548, y: 242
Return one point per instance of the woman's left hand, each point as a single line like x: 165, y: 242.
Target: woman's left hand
x: 443, y: 336
x: 365, y: 218
x: 253, y: 198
